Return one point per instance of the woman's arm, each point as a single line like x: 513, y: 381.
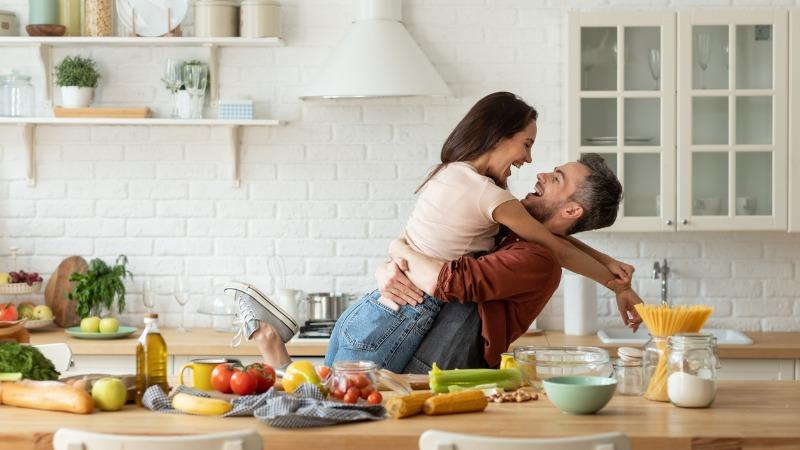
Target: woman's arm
x: 513, y: 215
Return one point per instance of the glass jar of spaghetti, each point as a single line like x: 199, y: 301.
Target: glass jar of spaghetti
x: 692, y: 369
x: 654, y: 365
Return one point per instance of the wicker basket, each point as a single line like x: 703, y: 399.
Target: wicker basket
x: 20, y: 288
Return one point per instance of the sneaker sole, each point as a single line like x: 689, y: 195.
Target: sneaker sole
x: 282, y: 316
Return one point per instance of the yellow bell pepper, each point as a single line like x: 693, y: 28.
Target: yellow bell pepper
x: 297, y: 373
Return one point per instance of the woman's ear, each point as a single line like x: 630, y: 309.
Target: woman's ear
x: 572, y: 211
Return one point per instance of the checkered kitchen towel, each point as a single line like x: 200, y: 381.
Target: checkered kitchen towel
x: 304, y: 409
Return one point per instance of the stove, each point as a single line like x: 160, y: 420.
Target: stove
x: 321, y: 329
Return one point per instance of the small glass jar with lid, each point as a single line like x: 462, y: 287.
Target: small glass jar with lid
x: 629, y: 372
x: 16, y: 95
x: 692, y: 370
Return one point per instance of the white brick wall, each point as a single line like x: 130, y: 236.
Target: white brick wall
x: 328, y: 190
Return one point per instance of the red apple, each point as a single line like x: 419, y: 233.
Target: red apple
x: 8, y: 312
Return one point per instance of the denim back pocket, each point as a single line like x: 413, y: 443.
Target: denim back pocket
x: 370, y: 324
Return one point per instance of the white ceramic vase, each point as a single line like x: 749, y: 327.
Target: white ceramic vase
x: 76, y: 97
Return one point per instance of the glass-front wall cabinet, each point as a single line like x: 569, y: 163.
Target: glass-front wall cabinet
x: 622, y: 106
x: 690, y: 111
x: 732, y: 120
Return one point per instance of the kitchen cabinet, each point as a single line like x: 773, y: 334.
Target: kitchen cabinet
x: 758, y: 369
x: 794, y: 114
x: 690, y: 110
x: 621, y: 94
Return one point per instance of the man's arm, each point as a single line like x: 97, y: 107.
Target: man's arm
x: 618, y: 268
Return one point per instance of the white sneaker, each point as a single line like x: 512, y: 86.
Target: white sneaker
x: 255, y: 307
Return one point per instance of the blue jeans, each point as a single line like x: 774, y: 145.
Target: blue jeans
x: 369, y: 330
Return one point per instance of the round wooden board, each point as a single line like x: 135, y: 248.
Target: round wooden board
x: 55, y: 294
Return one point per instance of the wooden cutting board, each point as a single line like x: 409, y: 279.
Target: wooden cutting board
x: 55, y: 294
x: 111, y: 113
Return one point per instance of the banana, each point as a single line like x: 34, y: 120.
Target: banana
x: 191, y: 404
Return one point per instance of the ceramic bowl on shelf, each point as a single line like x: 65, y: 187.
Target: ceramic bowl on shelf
x: 580, y: 395
x: 46, y: 30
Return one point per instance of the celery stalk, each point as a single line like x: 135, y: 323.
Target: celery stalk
x: 443, y: 380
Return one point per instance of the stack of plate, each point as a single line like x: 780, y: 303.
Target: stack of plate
x: 151, y: 15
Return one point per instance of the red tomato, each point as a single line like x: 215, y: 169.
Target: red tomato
x: 354, y: 391
x: 361, y: 381
x: 337, y: 394
x: 323, y: 372
x: 352, y: 399
x: 366, y: 391
x: 221, y: 377
x: 375, y: 398
x: 243, y: 383
x: 264, y: 375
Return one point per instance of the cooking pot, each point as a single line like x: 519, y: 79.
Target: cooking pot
x: 326, y: 305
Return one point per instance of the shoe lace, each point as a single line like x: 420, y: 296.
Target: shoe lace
x: 244, y: 315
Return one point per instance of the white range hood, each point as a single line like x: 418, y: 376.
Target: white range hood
x: 377, y: 58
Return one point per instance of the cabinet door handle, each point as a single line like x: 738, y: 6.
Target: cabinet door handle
x: 684, y: 222
x: 669, y: 222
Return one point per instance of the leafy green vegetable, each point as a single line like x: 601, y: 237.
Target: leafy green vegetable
x: 27, y: 360
x: 450, y: 380
x: 100, y: 285
x: 77, y: 71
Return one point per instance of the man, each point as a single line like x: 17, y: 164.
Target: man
x: 489, y: 301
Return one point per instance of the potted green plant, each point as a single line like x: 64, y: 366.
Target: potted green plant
x: 98, y: 288
x: 77, y: 77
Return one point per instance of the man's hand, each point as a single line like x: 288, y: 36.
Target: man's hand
x: 622, y: 271
x: 395, y: 286
x: 626, y: 299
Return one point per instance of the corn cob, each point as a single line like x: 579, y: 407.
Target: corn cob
x: 457, y: 402
x: 407, y: 405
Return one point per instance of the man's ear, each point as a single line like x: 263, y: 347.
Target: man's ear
x: 572, y: 211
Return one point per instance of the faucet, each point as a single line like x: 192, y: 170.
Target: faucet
x: 661, y: 271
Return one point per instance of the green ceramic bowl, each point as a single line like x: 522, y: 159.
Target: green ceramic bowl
x: 580, y: 395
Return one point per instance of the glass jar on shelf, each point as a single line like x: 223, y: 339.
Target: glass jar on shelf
x: 692, y: 370
x: 97, y: 18
x: 16, y: 95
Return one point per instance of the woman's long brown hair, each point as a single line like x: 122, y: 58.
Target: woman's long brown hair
x: 494, y: 117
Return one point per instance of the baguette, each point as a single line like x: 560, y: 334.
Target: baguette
x: 47, y: 395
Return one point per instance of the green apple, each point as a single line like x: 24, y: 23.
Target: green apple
x: 42, y: 312
x: 90, y: 324
x: 109, y: 325
x: 26, y: 310
x: 109, y: 394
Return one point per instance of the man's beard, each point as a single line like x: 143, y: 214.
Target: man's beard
x: 542, y: 212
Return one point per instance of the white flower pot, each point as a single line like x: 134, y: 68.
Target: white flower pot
x: 76, y: 97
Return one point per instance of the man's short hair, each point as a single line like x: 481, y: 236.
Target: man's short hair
x: 599, y: 194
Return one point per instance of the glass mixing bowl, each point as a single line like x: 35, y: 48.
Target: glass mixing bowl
x: 541, y: 362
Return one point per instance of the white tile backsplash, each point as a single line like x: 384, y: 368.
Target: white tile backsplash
x: 329, y: 188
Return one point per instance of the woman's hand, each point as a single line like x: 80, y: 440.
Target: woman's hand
x: 626, y: 299
x: 622, y: 271
x: 395, y: 286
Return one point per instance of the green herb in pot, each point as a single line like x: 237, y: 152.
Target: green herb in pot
x: 100, y: 286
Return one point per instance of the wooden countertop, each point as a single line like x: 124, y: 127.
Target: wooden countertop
x: 784, y: 345
x: 197, y: 342
x: 745, y: 415
x: 205, y: 342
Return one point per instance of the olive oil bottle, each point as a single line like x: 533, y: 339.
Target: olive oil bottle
x: 151, y: 358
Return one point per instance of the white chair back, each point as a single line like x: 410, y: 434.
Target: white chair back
x: 441, y: 440
x: 69, y: 439
x: 60, y: 354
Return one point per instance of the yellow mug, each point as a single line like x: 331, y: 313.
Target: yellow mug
x: 201, y: 372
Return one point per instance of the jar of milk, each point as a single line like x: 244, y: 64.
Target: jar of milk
x: 692, y: 370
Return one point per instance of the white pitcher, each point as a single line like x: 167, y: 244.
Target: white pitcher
x: 288, y: 300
